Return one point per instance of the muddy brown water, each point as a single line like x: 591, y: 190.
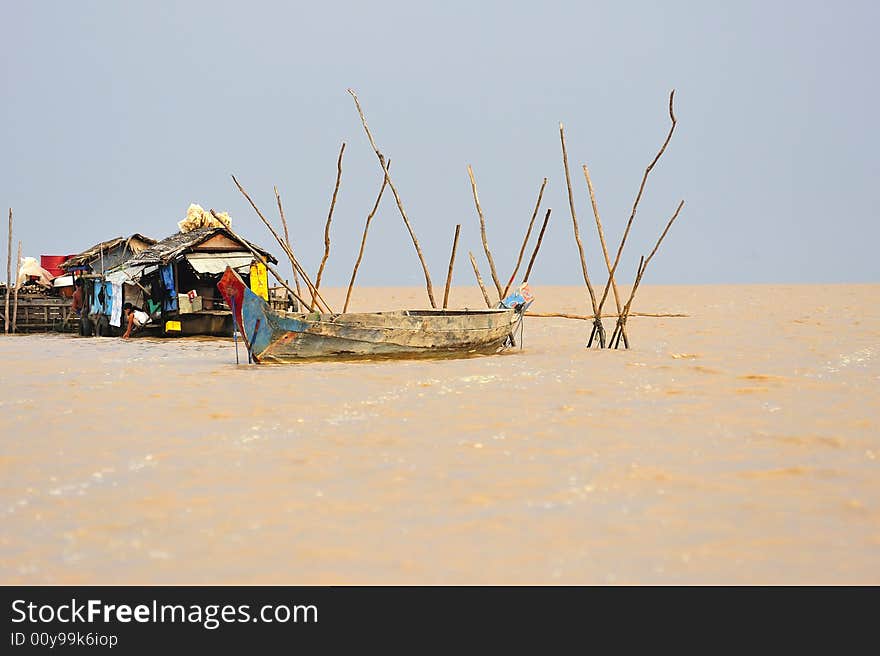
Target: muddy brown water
x: 739, y: 445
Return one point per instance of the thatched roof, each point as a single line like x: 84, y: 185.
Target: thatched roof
x: 105, y: 246
x: 179, y: 243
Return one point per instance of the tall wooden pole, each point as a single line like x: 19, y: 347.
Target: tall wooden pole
x: 15, y: 302
x: 597, y: 328
x: 364, y: 240
x: 643, y: 264
x: 483, y: 233
x: 621, y: 320
x: 451, y: 264
x: 635, y: 206
x: 8, y: 274
x: 604, y: 249
x: 412, y: 234
x: 327, y: 226
x: 287, y: 241
x: 480, y: 279
x: 537, y: 245
x: 525, y: 243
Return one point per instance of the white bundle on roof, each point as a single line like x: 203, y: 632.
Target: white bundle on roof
x: 29, y: 267
x: 197, y: 217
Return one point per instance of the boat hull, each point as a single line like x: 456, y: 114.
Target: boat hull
x: 273, y: 336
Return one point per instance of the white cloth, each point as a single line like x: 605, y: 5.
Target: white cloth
x: 29, y: 267
x: 140, y: 318
x: 116, y: 304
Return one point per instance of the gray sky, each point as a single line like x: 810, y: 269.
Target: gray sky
x: 117, y: 116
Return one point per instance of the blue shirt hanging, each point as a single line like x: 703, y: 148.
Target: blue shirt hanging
x: 170, y: 291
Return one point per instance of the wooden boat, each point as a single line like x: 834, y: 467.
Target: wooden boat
x: 277, y: 336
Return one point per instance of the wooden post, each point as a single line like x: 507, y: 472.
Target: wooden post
x: 327, y: 226
x: 281, y: 243
x: 451, y: 263
x: 597, y: 328
x: 621, y: 320
x: 364, y: 240
x: 635, y: 206
x: 522, y: 249
x: 643, y: 264
x: 412, y: 234
x: 483, y: 233
x: 15, y: 303
x: 480, y: 280
x: 604, y: 250
x: 287, y: 241
x: 537, y: 245
x: 8, y: 274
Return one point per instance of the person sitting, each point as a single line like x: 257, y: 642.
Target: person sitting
x: 77, y: 306
x: 134, y: 319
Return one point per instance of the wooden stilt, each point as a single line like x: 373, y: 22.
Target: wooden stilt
x: 8, y: 274
x: 643, y: 264
x: 15, y: 301
x: 483, y: 233
x: 635, y: 206
x: 600, y: 330
x: 287, y: 241
x: 327, y: 227
x: 364, y: 240
x: 537, y: 245
x: 451, y: 264
x: 604, y: 250
x: 522, y: 249
x: 480, y: 280
x: 412, y: 234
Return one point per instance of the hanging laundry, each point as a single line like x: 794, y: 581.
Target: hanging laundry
x: 116, y: 305
x: 108, y: 298
x: 97, y: 304
x: 259, y: 280
x: 170, y: 291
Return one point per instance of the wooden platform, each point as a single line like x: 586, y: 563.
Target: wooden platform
x: 40, y: 314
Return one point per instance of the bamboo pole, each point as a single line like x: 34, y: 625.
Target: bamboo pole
x: 327, y: 226
x: 284, y: 247
x: 15, y: 299
x: 522, y: 249
x: 8, y: 274
x: 615, y: 336
x: 483, y: 233
x: 364, y: 240
x: 412, y: 234
x: 262, y: 258
x: 635, y: 206
x: 589, y: 317
x: 604, y: 249
x: 537, y: 245
x: 597, y: 328
x: 643, y: 264
x: 287, y: 240
x: 451, y: 263
x: 480, y: 279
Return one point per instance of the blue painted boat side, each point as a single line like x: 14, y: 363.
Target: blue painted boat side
x: 257, y: 330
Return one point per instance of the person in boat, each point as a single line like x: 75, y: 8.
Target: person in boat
x: 134, y: 319
x: 77, y: 306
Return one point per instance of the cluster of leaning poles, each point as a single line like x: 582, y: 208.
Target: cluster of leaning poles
x: 312, y: 299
